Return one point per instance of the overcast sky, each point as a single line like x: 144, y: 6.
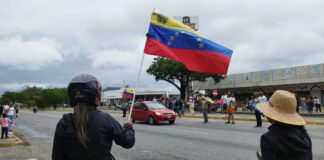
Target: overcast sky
x: 46, y: 43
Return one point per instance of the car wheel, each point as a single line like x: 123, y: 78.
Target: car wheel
x: 171, y: 122
x: 151, y: 120
x: 133, y: 120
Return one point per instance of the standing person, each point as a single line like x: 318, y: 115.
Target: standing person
x: 175, y: 106
x: 224, y: 100
x: 181, y: 106
x: 298, y: 102
x: 251, y: 103
x: 303, y: 104
x: 124, y: 108
x: 4, y: 122
x: 287, y: 139
x: 231, y: 103
x: 204, y: 107
x: 257, y: 100
x: 11, y: 114
x: 263, y: 98
x: 88, y: 133
x: 317, y: 104
x: 191, y: 105
x: 310, y: 105
x: 16, y: 109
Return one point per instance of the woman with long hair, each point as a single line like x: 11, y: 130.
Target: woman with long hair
x: 87, y: 133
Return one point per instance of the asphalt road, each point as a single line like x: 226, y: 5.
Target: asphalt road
x: 187, y: 139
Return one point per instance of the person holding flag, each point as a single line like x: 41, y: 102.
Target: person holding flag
x: 88, y: 133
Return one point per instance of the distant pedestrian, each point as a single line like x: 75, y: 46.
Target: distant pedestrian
x: 287, y: 139
x: 124, y: 108
x: 16, y: 109
x: 231, y: 103
x: 263, y: 98
x: 303, y: 104
x: 257, y: 112
x: 224, y: 100
x: 310, y: 105
x: 4, y: 122
x: 317, y: 104
x: 191, y: 105
x: 175, y: 106
x: 204, y: 107
x: 298, y: 101
x: 11, y: 114
x: 181, y: 106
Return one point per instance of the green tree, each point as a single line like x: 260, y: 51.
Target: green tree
x: 175, y: 73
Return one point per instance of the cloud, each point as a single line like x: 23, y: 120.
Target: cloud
x: 29, y: 54
x: 45, y: 42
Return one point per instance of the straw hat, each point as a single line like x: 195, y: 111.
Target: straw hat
x: 281, y: 107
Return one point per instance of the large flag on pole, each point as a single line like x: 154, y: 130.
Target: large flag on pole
x: 172, y: 39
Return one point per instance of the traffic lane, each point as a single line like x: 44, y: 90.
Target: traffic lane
x: 190, y: 139
x: 187, y: 139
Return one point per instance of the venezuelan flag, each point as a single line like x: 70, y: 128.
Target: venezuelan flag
x: 172, y: 39
x: 128, y: 93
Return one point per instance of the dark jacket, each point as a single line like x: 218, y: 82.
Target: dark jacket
x: 286, y: 142
x: 102, y: 129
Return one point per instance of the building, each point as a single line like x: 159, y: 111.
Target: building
x: 306, y: 81
x: 113, y: 95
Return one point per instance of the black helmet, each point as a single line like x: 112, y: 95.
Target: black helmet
x: 84, y: 88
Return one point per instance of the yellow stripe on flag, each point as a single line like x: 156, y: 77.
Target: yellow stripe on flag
x: 129, y: 91
x: 164, y: 21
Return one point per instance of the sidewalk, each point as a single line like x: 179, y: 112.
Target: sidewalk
x: 311, y: 119
x: 11, y: 141
x: 315, y: 119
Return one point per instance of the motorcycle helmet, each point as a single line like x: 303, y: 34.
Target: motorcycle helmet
x: 84, y: 88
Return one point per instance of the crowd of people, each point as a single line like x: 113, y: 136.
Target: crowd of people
x: 7, y: 114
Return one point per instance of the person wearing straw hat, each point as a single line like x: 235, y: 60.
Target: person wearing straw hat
x: 287, y: 139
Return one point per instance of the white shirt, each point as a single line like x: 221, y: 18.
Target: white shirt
x: 11, y: 111
x: 224, y: 99
x: 263, y: 98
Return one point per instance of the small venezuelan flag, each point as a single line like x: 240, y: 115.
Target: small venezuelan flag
x: 172, y: 39
x: 128, y: 93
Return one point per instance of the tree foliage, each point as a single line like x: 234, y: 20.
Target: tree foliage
x: 32, y: 96
x: 175, y: 73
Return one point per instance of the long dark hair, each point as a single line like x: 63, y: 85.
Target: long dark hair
x: 80, y: 119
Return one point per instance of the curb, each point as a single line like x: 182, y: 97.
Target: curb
x: 249, y: 119
x: 11, y: 141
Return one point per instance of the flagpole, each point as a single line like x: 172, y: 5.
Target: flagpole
x: 135, y: 90
x: 138, y: 77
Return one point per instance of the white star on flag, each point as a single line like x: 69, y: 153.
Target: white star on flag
x: 201, y: 45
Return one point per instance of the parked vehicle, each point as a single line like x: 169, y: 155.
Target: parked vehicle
x: 152, y: 112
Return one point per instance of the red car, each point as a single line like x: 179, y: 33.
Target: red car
x: 152, y: 112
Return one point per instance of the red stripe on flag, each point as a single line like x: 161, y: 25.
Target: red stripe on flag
x: 194, y: 60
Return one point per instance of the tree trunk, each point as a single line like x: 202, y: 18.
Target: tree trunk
x: 183, y: 90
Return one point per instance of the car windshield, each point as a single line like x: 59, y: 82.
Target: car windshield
x: 154, y: 105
